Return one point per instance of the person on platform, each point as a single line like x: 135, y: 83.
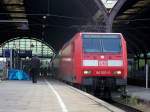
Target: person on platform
x: 35, y: 67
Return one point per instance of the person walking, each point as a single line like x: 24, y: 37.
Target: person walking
x: 35, y: 67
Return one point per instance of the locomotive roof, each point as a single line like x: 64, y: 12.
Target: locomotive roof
x: 98, y: 33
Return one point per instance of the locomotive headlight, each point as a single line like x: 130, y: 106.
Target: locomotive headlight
x: 117, y: 72
x: 87, y: 72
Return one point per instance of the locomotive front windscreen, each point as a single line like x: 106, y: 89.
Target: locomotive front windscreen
x: 102, y: 43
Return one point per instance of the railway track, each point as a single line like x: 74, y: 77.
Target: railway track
x: 122, y: 106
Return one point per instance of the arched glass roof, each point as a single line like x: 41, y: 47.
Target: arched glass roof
x: 38, y: 47
x: 109, y: 3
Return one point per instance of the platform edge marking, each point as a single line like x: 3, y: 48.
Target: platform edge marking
x: 63, y: 106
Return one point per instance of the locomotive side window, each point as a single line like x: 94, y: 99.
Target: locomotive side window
x: 101, y: 43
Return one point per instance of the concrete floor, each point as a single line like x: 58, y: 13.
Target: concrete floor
x: 52, y: 96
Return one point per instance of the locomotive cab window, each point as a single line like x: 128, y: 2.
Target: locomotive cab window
x: 111, y: 45
x: 102, y: 43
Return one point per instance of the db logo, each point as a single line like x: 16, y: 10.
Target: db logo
x: 103, y: 63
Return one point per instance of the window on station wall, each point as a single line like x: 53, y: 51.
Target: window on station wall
x: 38, y: 47
x: 142, y: 62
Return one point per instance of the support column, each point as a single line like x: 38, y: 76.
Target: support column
x: 146, y: 75
x: 104, y: 12
x: 109, y: 16
x: 11, y: 58
x: 109, y: 23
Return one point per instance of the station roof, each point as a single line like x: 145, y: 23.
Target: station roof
x: 133, y: 20
x: 56, y: 21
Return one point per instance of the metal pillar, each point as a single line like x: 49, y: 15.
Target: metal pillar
x: 103, y: 9
x: 146, y: 76
x: 101, y: 6
x: 11, y: 58
x: 109, y: 16
x: 109, y: 25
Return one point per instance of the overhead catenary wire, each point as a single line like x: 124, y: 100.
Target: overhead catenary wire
x: 51, y: 15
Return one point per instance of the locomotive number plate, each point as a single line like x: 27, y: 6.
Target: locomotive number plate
x: 103, y: 63
x: 103, y: 72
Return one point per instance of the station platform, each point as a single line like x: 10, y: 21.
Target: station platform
x: 48, y: 96
x: 141, y: 93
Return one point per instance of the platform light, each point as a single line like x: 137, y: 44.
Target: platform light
x: 44, y: 17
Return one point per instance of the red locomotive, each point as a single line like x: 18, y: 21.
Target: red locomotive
x: 97, y: 60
